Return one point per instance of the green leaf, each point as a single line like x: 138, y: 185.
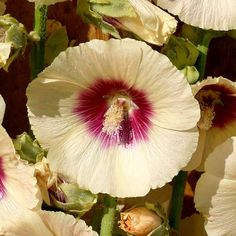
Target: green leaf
x: 56, y: 43
x: 181, y: 52
x: 116, y: 8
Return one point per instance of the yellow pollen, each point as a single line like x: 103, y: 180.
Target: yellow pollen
x: 208, y: 99
x: 207, y: 116
x: 115, y: 114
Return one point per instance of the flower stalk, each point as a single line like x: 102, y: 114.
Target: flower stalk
x: 203, y: 48
x: 176, y: 204
x: 108, y: 218
x: 38, y: 49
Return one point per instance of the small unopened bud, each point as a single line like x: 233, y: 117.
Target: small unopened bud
x: 191, y: 73
x: 139, y: 221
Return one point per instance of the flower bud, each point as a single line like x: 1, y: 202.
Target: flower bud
x: 191, y: 73
x: 13, y: 40
x: 71, y: 199
x: 28, y: 149
x: 139, y: 221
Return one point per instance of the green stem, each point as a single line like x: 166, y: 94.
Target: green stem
x: 108, y: 219
x: 37, y: 53
x: 201, y: 62
x: 176, y: 204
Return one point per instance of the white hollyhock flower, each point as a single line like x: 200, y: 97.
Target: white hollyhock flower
x: 46, y: 223
x: 151, y: 23
x: 117, y: 117
x: 18, y: 186
x: 216, y: 190
x: 206, y: 14
x: 46, y: 2
x: 217, y: 99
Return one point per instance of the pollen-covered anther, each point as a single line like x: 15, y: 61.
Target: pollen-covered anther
x: 115, y: 114
x: 207, y: 116
x: 208, y: 100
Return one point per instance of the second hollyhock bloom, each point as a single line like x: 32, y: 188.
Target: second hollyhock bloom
x: 217, y: 99
x: 216, y: 190
x: 116, y: 116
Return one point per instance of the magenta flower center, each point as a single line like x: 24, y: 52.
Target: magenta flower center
x: 115, y: 113
x: 2, y: 177
x: 217, y: 103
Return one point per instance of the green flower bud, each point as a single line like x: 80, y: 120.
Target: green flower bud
x: 191, y: 73
x: 71, y: 199
x: 13, y: 40
x: 181, y: 52
x: 28, y: 149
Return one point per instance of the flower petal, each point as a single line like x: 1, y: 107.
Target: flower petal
x: 206, y: 14
x: 216, y: 190
x: 151, y: 24
x: 18, y: 184
x: 2, y: 109
x: 47, y: 224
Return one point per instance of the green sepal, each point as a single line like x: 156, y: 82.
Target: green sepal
x: 163, y: 229
x: 56, y: 43
x: 91, y: 11
x: 116, y: 8
x: 181, y: 52
x: 77, y: 201
x: 28, y: 149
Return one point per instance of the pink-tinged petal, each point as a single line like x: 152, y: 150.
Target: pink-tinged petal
x: 206, y: 14
x: 216, y: 190
x: 18, y: 186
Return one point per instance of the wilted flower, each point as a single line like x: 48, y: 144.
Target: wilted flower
x: 217, y: 99
x: 139, y: 221
x: 216, y: 190
x: 45, y: 223
x: 13, y: 40
x: 140, y: 17
x: 18, y: 186
x: 45, y: 178
x: 46, y: 2
x: 206, y: 14
x: 117, y: 117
